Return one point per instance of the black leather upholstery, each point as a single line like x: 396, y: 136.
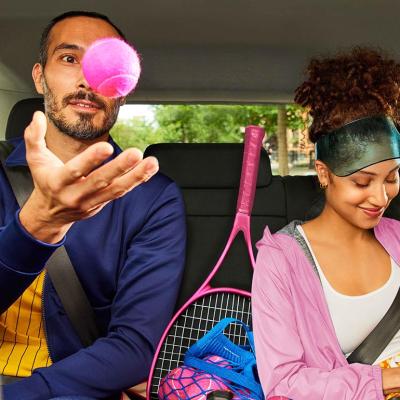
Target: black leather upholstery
x: 208, y: 175
x: 21, y: 115
x: 209, y: 180
x: 199, y: 165
x: 209, y: 186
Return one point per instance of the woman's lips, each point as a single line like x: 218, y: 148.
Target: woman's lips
x: 372, y: 212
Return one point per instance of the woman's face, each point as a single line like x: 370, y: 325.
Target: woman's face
x: 362, y: 198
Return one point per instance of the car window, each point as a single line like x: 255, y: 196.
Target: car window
x: 290, y: 151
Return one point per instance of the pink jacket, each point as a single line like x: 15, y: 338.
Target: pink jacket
x: 298, y: 354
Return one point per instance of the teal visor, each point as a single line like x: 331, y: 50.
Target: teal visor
x: 359, y: 144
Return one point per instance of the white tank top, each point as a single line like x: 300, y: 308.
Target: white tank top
x: 354, y: 317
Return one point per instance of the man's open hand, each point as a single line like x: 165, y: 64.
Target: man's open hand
x: 78, y: 189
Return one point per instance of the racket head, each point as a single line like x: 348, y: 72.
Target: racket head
x: 192, y: 322
x: 208, y: 306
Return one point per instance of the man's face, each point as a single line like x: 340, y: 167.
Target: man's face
x: 71, y: 105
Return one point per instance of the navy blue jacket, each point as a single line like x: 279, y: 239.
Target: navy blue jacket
x: 129, y: 258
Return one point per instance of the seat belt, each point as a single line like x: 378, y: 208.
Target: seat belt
x: 59, y: 266
x: 373, y: 345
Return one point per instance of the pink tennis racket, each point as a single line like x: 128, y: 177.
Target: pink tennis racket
x: 209, y: 305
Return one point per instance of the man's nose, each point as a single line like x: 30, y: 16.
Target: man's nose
x: 82, y: 82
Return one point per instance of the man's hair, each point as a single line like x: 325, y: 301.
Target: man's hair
x: 44, y: 40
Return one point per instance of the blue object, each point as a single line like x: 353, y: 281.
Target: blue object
x: 241, y: 375
x: 73, y: 398
x: 130, y: 260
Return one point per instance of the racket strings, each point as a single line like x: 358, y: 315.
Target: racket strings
x: 194, y: 323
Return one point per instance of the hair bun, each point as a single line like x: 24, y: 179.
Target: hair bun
x: 349, y: 86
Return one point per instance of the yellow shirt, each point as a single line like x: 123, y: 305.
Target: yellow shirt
x: 23, y: 344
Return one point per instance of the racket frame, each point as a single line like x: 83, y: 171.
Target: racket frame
x: 251, y: 155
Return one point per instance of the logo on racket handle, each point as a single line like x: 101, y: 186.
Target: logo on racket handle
x: 220, y: 395
x: 253, y: 137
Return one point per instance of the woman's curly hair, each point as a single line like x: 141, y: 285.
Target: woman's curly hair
x: 350, y: 86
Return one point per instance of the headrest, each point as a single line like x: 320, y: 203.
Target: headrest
x: 21, y: 116
x: 210, y: 165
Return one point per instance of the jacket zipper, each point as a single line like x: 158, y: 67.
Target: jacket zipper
x: 44, y: 317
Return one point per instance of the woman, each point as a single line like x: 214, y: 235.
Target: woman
x: 321, y: 286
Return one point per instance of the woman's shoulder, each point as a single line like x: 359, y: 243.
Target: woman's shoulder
x: 282, y: 261
x: 282, y: 236
x: 279, y: 248
x: 388, y: 229
x: 388, y: 226
x: 390, y: 222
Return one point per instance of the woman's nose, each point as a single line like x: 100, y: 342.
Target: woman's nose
x: 379, y: 196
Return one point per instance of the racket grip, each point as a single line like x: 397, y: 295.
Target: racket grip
x: 220, y: 395
x: 253, y: 137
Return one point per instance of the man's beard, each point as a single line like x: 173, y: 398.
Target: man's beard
x: 84, y: 128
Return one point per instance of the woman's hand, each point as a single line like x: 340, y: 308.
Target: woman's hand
x: 391, y: 380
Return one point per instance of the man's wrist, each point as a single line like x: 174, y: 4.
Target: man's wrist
x: 20, y: 251
x: 40, y: 224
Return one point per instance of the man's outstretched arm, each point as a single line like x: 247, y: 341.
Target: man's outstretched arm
x: 63, y: 193
x: 147, y: 288
x: 78, y: 189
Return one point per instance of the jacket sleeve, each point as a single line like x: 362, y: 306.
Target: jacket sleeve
x: 279, y: 349
x: 22, y: 258
x: 148, y: 285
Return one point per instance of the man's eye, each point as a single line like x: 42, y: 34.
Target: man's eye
x: 69, y: 59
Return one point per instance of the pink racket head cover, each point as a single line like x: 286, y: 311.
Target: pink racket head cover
x: 111, y: 67
x: 192, y: 384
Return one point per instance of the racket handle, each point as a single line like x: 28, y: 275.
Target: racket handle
x: 253, y: 137
x: 220, y: 395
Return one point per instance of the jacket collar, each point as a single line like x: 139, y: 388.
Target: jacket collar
x: 386, y: 232
x: 17, y: 156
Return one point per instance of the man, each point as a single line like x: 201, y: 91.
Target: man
x: 127, y: 246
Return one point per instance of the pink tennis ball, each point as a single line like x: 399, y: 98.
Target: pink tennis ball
x: 111, y: 67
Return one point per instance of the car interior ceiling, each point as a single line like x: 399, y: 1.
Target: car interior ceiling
x: 205, y: 51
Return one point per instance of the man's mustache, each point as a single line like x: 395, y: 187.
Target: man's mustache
x: 81, y: 95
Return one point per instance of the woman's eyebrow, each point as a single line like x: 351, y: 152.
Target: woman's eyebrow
x: 69, y: 46
x: 374, y: 174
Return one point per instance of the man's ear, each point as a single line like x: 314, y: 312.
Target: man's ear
x: 37, y: 75
x: 322, y: 172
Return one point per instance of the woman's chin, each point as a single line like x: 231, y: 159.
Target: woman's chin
x: 368, y: 222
